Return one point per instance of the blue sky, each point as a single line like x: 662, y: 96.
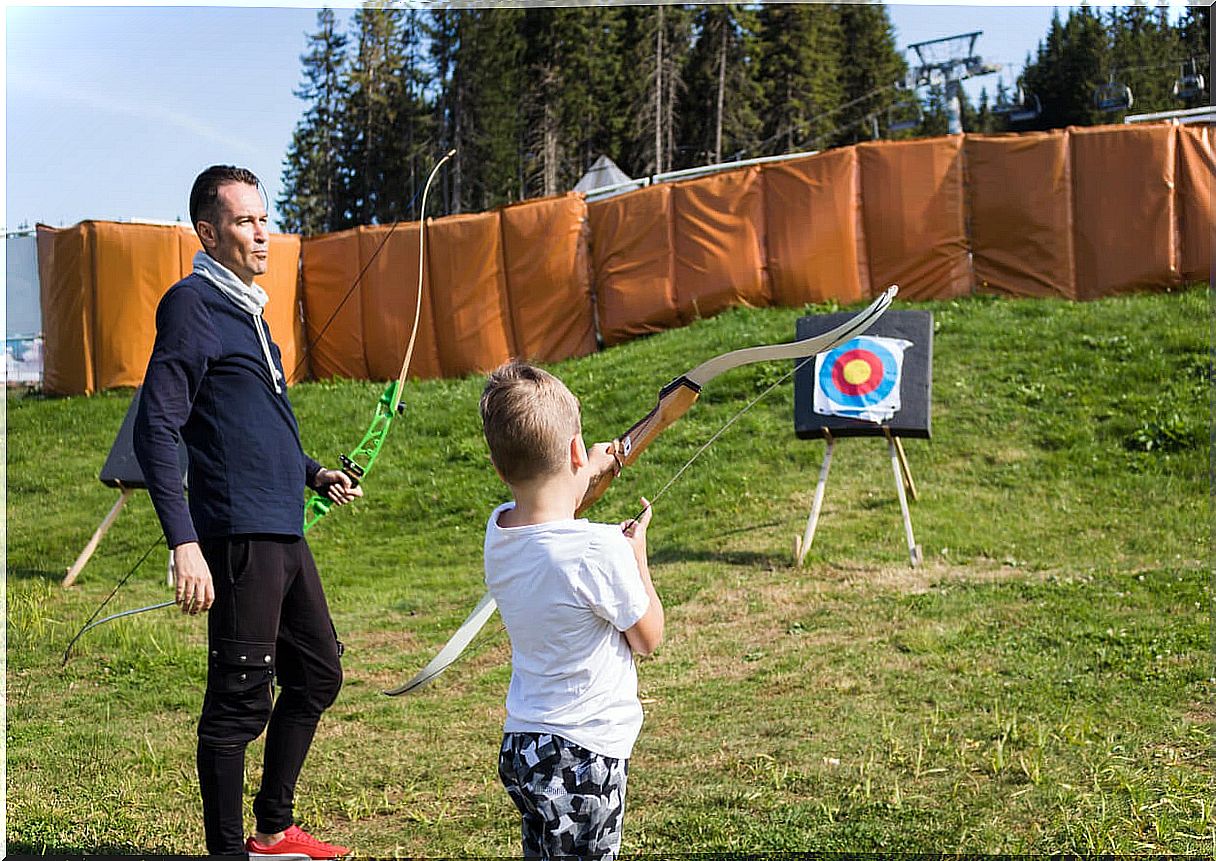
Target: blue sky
x: 112, y: 111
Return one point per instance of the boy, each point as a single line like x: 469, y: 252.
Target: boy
x: 578, y: 602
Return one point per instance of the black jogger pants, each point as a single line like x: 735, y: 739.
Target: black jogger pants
x: 269, y: 621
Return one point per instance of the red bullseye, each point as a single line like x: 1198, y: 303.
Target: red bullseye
x: 857, y: 372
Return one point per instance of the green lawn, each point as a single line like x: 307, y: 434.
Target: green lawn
x: 1042, y: 683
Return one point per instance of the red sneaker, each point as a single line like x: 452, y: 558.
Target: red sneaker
x: 297, y: 845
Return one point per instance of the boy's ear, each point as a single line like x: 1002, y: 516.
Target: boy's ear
x: 578, y: 452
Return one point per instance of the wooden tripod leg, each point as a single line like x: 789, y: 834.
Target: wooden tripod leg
x: 803, y: 546
x: 903, y: 463
x: 79, y: 564
x: 913, y: 550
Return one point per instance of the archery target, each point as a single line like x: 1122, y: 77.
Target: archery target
x: 860, y: 378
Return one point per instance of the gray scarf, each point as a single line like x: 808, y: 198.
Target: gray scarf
x: 250, y: 298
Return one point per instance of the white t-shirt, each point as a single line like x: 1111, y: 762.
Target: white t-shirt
x: 567, y: 590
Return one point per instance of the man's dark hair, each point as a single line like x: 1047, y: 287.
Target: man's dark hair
x: 206, y: 189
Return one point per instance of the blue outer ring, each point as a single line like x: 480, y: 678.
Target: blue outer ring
x: 890, y: 373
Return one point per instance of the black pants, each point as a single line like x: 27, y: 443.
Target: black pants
x: 269, y: 619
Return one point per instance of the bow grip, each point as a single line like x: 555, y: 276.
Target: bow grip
x: 353, y: 471
x: 675, y: 399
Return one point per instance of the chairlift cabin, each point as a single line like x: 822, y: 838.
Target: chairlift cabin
x: 1190, y: 83
x: 905, y: 114
x: 1113, y: 96
x: 1008, y: 101
x: 1028, y: 108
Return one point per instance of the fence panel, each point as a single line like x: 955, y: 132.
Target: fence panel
x: 1196, y: 219
x: 548, y: 278
x: 1123, y: 199
x: 633, y: 258
x: 469, y: 297
x: 1020, y: 199
x: 812, y: 217
x: 331, y: 264
x: 390, y: 301
x: 912, y: 211
x: 718, y: 224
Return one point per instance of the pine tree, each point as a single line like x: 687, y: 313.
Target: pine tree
x: 478, y: 55
x: 412, y: 129
x: 1194, y: 39
x: 721, y: 118
x: 659, y: 37
x: 1071, y: 63
x: 309, y: 200
x: 935, y: 118
x: 869, y: 66
x: 800, y: 47
x: 1144, y: 54
x: 374, y: 186
x: 594, y: 106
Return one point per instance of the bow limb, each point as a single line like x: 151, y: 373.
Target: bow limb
x: 451, y: 651
x: 675, y: 399
x: 678, y: 396
x: 358, y: 463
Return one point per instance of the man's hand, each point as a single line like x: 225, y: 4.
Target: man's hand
x: 336, y: 485
x: 195, y: 593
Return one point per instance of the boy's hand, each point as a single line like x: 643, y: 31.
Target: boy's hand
x: 602, y: 459
x: 635, y: 529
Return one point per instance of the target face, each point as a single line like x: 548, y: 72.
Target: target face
x: 857, y: 374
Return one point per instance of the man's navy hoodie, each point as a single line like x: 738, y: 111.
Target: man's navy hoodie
x: 208, y: 380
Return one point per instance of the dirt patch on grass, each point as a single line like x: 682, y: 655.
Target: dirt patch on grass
x: 906, y: 580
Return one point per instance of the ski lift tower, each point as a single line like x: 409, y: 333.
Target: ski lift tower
x: 946, y: 62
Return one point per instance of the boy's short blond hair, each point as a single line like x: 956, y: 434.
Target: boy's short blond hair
x: 528, y: 417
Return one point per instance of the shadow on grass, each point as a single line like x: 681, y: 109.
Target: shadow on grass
x: 745, y: 558
x: 748, y: 527
x: 54, y: 575
x: 43, y: 851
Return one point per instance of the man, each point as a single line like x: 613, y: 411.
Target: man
x: 216, y: 379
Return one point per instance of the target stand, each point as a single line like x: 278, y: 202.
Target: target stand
x: 869, y: 375
x: 121, y: 470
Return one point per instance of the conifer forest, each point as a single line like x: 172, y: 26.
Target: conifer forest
x: 530, y: 97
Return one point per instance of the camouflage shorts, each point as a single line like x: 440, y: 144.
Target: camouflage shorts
x: 572, y: 800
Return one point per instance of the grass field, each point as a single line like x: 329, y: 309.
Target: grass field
x: 1044, y: 682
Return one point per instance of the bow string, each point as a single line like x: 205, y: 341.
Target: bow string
x: 675, y: 399
x: 356, y: 463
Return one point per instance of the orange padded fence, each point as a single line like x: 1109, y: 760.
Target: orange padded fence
x: 329, y: 268
x: 101, y: 283
x: 390, y: 303
x: 1020, y: 202
x: 1077, y: 214
x: 812, y: 217
x: 360, y: 297
x: 912, y: 212
x: 718, y: 229
x: 548, y: 272
x: 65, y: 266
x: 472, y: 319
x: 1196, y: 220
x: 1123, y: 231
x: 632, y: 255
x: 133, y: 266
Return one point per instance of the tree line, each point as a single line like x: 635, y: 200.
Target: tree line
x: 529, y: 97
